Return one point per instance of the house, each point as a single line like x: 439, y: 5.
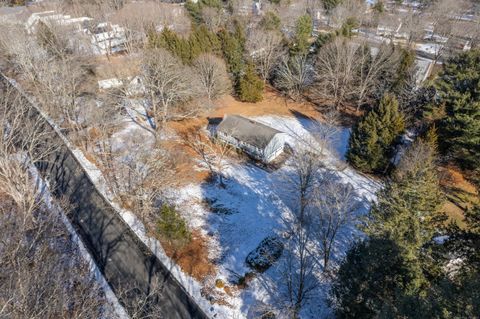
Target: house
x: 49, y: 17
x: 256, y: 139
x: 105, y: 38
x: 108, y: 38
x: 423, y: 69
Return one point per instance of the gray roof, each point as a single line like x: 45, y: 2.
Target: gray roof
x: 246, y: 130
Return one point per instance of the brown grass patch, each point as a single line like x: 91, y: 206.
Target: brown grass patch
x: 461, y: 194
x: 451, y: 177
x: 192, y: 257
x: 454, y: 213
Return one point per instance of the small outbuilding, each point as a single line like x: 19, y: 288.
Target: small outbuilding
x: 256, y: 139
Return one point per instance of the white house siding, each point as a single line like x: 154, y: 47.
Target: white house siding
x: 271, y: 151
x: 275, y: 147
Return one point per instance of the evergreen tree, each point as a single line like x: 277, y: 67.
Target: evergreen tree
x: 370, y: 279
x: 379, y: 6
x: 372, y: 139
x: 329, y: 5
x: 250, y: 86
x: 195, y: 9
x: 232, y: 51
x: 171, y: 226
x: 406, y: 210
x: 303, y: 32
x: 270, y: 21
x: 403, y: 80
x: 453, y: 294
x: 169, y: 40
x: 387, y: 275
x: 347, y: 27
x: 458, y: 89
x: 201, y: 40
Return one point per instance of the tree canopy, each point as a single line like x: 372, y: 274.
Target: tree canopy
x: 373, y: 138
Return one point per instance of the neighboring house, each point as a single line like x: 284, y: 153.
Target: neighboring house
x: 133, y: 85
x: 49, y: 17
x: 389, y: 27
x: 108, y: 38
x: 256, y: 139
x: 108, y: 84
x: 105, y: 38
x: 14, y: 15
x: 423, y: 69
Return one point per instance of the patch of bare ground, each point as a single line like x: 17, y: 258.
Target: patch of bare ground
x: 273, y: 103
x: 116, y: 66
x: 460, y: 193
x: 191, y: 257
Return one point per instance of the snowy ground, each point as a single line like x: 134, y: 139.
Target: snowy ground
x: 254, y: 205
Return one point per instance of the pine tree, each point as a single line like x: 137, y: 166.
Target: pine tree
x: 270, y: 21
x: 372, y: 140
x: 329, y: 5
x: 232, y: 51
x: 383, y: 276
x: 250, y: 86
x: 370, y: 279
x: 406, y: 210
x: 459, y: 90
x: 303, y: 32
x: 203, y: 41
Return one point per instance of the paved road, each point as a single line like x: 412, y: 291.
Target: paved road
x: 125, y: 261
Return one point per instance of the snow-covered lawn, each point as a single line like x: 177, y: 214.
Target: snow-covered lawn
x: 254, y: 205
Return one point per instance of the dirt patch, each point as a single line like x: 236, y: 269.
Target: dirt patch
x: 273, y: 103
x: 116, y: 66
x: 193, y: 257
x: 451, y: 177
x: 461, y: 194
x: 454, y: 213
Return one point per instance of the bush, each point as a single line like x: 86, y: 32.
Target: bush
x: 172, y: 226
x: 267, y: 252
x: 219, y: 283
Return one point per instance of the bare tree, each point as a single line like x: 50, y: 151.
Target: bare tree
x: 298, y: 268
x: 347, y: 72
x: 213, y: 18
x: 168, y: 83
x: 335, y: 71
x: 213, y: 153
x: 334, y: 209
x: 371, y: 67
x: 266, y: 49
x: 36, y: 254
x: 299, y: 264
x: 213, y: 76
x: 294, y: 75
x: 23, y: 142
x: 413, y: 24
x: 348, y: 9
x: 305, y: 165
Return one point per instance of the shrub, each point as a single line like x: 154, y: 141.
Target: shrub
x: 172, y: 226
x: 219, y: 283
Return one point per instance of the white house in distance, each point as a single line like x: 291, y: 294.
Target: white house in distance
x: 49, y: 17
x: 108, y: 38
x: 256, y: 139
x: 105, y: 38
